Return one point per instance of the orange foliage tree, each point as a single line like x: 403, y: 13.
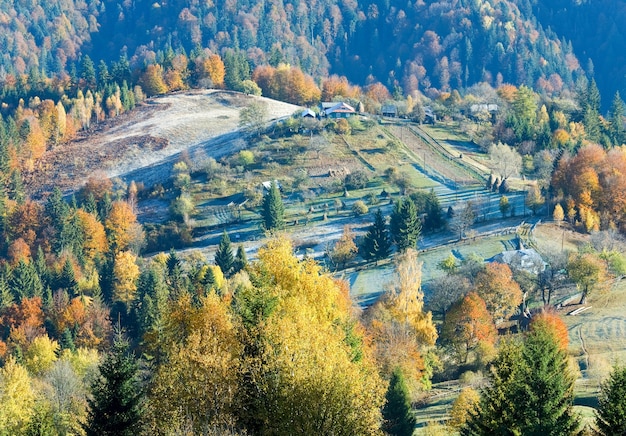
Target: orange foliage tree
x: 468, y: 323
x: 501, y: 293
x: 553, y: 323
x: 123, y: 230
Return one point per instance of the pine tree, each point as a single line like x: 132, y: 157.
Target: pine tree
x: 376, y: 244
x: 224, y: 255
x: 611, y: 412
x: 115, y: 408
x: 398, y: 419
x: 273, y: 209
x: 241, y: 260
x: 405, y: 225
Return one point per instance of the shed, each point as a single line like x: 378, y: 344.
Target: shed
x: 389, y: 110
x: 308, y: 113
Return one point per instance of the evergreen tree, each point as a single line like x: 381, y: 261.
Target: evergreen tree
x: 224, y: 255
x: 531, y: 391
x: 405, y: 225
x: 376, y: 244
x: 56, y: 210
x: 88, y: 71
x: 115, y: 408
x: 6, y: 297
x: 611, y: 412
x: 241, y: 260
x: 24, y: 281
x: 67, y: 340
x: 151, y: 300
x: 273, y: 209
x: 67, y: 278
x: 175, y: 278
x: 42, y: 268
x: 616, y: 120
x: 398, y: 419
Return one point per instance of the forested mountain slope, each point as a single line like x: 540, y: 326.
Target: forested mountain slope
x: 404, y: 45
x: 596, y: 29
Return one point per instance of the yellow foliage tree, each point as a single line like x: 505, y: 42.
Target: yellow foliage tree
x: 16, y: 397
x: 323, y: 382
x: 197, y: 386
x: 94, y: 237
x: 465, y: 404
x: 125, y: 275
x: 401, y: 330
x: 122, y: 228
x: 40, y: 355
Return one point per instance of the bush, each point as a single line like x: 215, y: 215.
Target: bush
x: 359, y: 208
x: 356, y: 180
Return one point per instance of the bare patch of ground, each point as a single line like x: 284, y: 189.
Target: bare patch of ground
x: 152, y: 133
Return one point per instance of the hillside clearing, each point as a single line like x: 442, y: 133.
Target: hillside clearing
x: 154, y: 132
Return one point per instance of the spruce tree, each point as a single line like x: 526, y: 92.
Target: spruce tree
x: 6, y: 297
x: 611, y: 412
x: 398, y: 419
x: 67, y: 278
x: 241, y: 260
x: 273, y: 209
x: 531, y: 392
x: 405, y: 225
x: 616, y: 120
x: 376, y: 244
x: 224, y: 255
x: 25, y: 282
x: 115, y: 408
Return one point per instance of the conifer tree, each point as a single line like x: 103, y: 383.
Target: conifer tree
x: 241, y: 260
x: 67, y: 278
x: 398, y: 419
x: 611, y: 412
x: 6, y: 297
x: 224, y: 255
x: 405, y: 225
x: 115, y: 408
x: 531, y: 392
x: 25, y: 282
x: 616, y: 121
x: 273, y: 209
x: 376, y: 244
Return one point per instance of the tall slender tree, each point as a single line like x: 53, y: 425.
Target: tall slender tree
x: 224, y: 255
x: 398, y: 419
x: 116, y: 406
x: 273, y: 209
x: 376, y: 244
x: 241, y: 260
x: 405, y: 225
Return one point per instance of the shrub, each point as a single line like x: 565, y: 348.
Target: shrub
x: 359, y: 208
x: 356, y: 180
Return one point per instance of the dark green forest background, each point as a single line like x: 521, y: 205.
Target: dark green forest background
x: 406, y: 45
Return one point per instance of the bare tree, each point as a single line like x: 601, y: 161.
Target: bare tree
x: 463, y: 218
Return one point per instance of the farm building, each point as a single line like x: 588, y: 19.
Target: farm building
x: 389, y: 110
x: 337, y: 110
x: 308, y: 113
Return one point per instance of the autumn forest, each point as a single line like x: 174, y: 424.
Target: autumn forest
x: 113, y: 324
